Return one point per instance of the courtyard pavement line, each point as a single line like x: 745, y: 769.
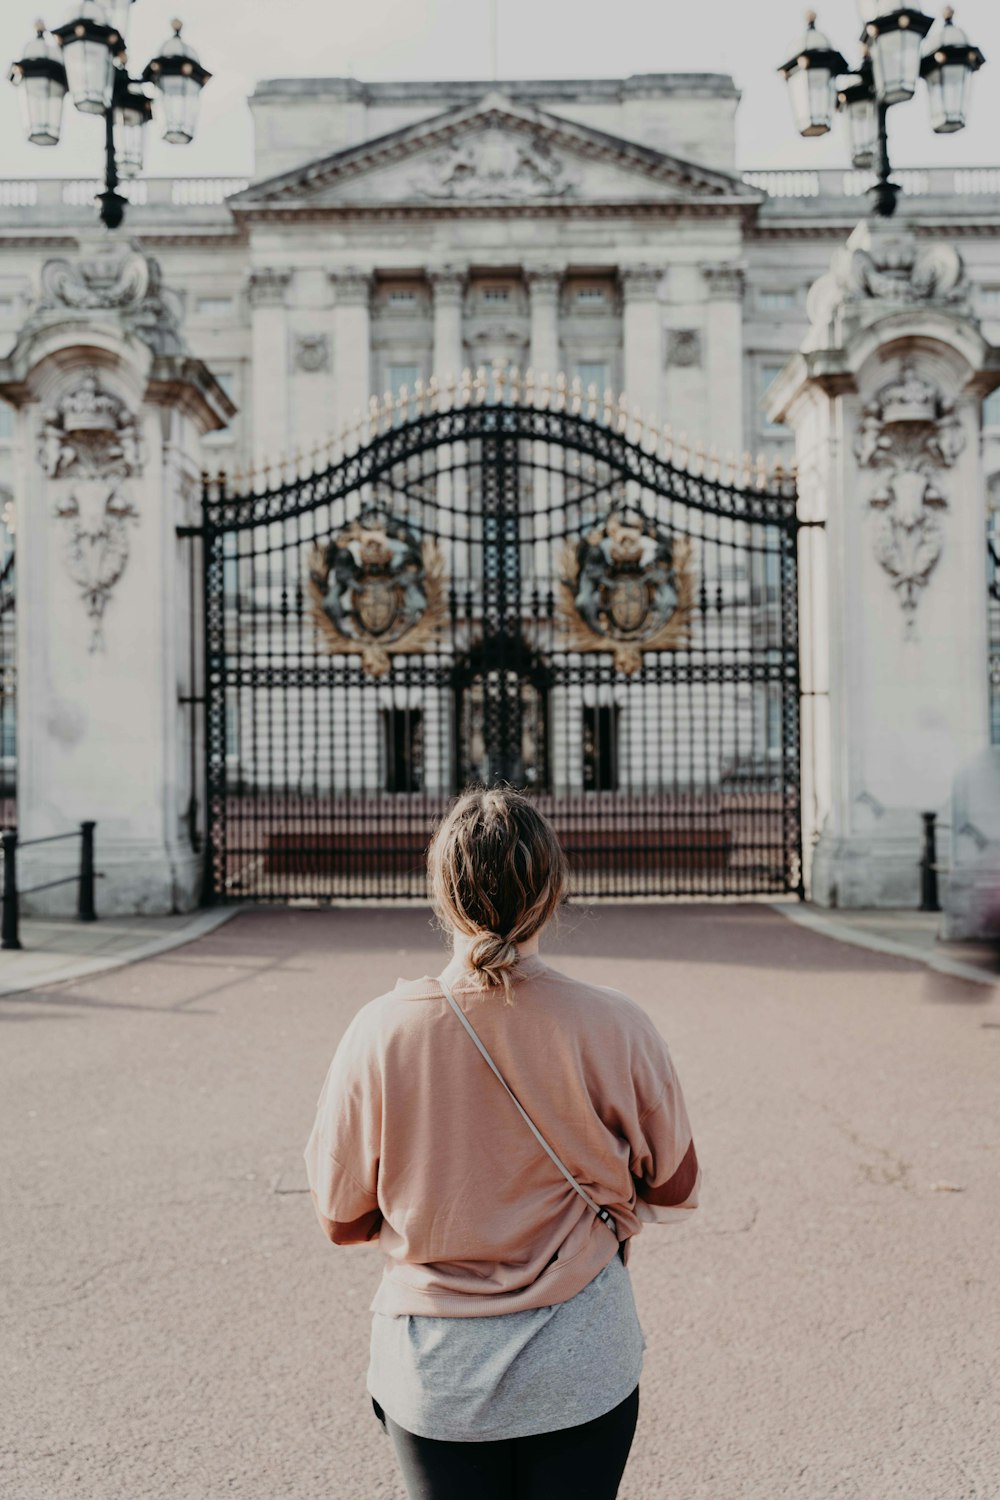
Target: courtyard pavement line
x: 201, y: 923
x: 841, y: 932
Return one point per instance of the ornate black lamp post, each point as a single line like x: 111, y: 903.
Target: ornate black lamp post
x: 900, y: 45
x: 86, y: 58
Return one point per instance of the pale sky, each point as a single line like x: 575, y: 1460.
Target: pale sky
x: 241, y: 41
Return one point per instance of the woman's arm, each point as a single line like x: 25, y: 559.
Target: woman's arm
x: 342, y: 1155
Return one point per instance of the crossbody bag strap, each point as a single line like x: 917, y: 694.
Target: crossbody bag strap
x: 602, y: 1213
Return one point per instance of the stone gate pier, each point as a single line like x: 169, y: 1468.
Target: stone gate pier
x: 110, y: 409
x: 885, y: 400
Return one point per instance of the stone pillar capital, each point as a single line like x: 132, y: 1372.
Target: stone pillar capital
x: 640, y: 283
x: 725, y: 282
x: 448, y: 284
x: 267, y: 286
x: 544, y: 280
x: 352, y: 286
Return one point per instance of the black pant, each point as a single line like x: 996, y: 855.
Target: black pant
x: 577, y: 1463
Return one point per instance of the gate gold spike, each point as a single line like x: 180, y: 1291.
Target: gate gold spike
x: 297, y: 465
x: 636, y: 417
x: 747, y: 468
x: 730, y: 468
x: 622, y: 423
x: 382, y: 412
x: 576, y: 395
x: 544, y: 390
x: 403, y: 402
x: 433, y: 393
x: 761, y: 478
x: 714, y: 465
x: 465, y: 393
x: 515, y: 385
x: 778, y: 471
x: 529, y: 386
x: 314, y: 457
x: 560, y: 401
x: 373, y: 416
x: 609, y: 407
x: 668, y: 444
x: 683, y: 451
x: 698, y: 462
x: 418, y: 396
x: 652, y: 439
x: 499, y: 379
x: 479, y: 385
x: 592, y: 400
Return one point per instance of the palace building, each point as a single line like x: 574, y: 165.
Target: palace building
x: 597, y: 234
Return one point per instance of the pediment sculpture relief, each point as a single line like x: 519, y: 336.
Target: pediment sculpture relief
x: 495, y: 164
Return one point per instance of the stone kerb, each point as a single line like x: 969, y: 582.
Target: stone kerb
x: 111, y: 407
x: 885, y: 402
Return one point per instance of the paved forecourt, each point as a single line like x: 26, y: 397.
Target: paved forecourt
x: 174, y: 1324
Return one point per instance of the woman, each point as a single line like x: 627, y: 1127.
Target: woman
x: 506, y: 1350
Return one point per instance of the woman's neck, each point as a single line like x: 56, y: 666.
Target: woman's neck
x: 461, y: 944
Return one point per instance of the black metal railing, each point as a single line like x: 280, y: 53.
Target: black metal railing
x: 11, y: 898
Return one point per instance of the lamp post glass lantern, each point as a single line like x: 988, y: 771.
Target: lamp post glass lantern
x: 41, y: 77
x: 901, y: 45
x: 86, y: 58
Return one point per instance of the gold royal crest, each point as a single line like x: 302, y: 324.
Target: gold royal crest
x: 375, y: 590
x: 627, y: 587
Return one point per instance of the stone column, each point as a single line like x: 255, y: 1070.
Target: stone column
x: 544, y: 283
x: 351, y: 343
x: 642, y: 338
x: 267, y: 289
x: 724, y: 361
x: 885, y: 402
x: 448, y: 287
x: 111, y: 407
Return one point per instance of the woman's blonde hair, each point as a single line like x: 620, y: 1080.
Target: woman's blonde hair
x: 498, y: 873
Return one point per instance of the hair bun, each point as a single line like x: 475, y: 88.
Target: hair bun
x: 492, y: 955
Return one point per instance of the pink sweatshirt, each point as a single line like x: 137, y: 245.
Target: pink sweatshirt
x: 416, y: 1143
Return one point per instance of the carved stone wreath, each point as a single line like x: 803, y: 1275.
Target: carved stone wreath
x: 627, y: 587
x: 375, y: 591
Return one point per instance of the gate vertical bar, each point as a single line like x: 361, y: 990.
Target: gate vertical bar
x: 501, y: 523
x: 213, y: 614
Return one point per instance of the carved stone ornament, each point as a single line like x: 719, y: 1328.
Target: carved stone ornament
x: 495, y: 165
x: 375, y: 590
x: 683, y: 347
x: 118, y: 278
x: 884, y: 265
x: 89, y: 445
x: 909, y: 434
x: 311, y: 353
x: 627, y: 587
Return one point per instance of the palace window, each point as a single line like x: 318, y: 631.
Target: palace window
x: 600, y: 747
x: 593, y: 372
x: 991, y: 411
x: 213, y: 307
x: 495, y: 294
x: 591, y: 296
x: 777, y: 299
x: 402, y: 298
x: 767, y: 374
x: 402, y: 750
x: 989, y: 295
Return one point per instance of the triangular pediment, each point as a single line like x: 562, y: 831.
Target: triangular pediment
x: 496, y: 152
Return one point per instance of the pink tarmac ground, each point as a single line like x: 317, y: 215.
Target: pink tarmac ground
x: 827, y: 1326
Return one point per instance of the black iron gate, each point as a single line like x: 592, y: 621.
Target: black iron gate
x: 502, y: 592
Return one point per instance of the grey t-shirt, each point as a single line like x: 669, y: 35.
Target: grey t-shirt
x: 513, y: 1375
